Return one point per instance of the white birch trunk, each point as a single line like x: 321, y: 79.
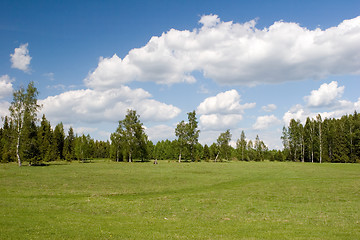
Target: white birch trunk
x: 18, y: 144
x: 320, y: 141
x: 216, y: 156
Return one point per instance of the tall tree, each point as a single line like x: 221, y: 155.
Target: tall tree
x: 241, y: 146
x: 181, y: 133
x: 206, y: 152
x: 192, y: 132
x: 69, y: 146
x: 223, y: 142
x: 319, y: 121
x: 8, y: 153
x: 132, y: 135
x: 47, y: 147
x: 23, y: 109
x: 285, y: 141
x: 188, y: 134
x: 59, y: 139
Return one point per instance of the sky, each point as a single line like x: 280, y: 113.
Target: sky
x: 241, y: 65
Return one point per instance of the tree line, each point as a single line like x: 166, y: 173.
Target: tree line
x: 24, y: 138
x: 21, y: 138
x: 328, y: 140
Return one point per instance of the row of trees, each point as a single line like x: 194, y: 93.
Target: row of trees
x: 21, y: 138
x: 328, y: 140
x: 331, y: 140
x: 130, y: 141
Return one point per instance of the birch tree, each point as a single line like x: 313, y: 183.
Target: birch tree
x: 180, y: 132
x: 23, y: 108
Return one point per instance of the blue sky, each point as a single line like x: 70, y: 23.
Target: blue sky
x: 242, y: 65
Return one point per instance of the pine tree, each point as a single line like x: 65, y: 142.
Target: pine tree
x: 69, y: 146
x: 59, y: 140
x: 206, y: 153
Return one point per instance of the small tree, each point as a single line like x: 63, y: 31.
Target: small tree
x: 223, y: 142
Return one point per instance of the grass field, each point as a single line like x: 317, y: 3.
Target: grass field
x: 238, y: 200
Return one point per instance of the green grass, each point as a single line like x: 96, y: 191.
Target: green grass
x: 238, y: 200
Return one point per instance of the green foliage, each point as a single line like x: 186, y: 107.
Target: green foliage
x: 223, y: 143
x: 328, y: 140
x: 130, y: 137
x: 188, y: 135
x: 69, y: 146
x: 23, y: 113
x: 59, y: 141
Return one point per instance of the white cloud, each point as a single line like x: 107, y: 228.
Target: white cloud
x: 264, y: 122
x: 20, y: 59
x: 93, y: 106
x: 225, y: 102
x: 4, y: 110
x: 235, y: 53
x: 326, y: 95
x: 219, y: 122
x: 160, y: 132
x: 269, y: 108
x: 6, y: 87
x: 222, y: 111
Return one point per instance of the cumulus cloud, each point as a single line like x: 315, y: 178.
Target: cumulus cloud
x: 20, y: 59
x: 225, y: 103
x: 4, y: 110
x: 218, y: 121
x: 326, y: 95
x: 237, y: 53
x: 91, y: 106
x: 6, y: 87
x: 264, y: 122
x: 160, y: 132
x: 269, y: 108
x: 222, y: 111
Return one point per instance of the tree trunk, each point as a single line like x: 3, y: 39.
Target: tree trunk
x: 17, y: 151
x: 242, y: 153
x: 216, y: 156
x: 320, y: 141
x: 180, y: 157
x: 129, y: 156
x: 18, y: 145
x: 312, y: 154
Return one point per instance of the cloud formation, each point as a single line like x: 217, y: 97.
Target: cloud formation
x: 269, y: 108
x: 92, y: 106
x: 20, y: 59
x: 237, y: 53
x: 327, y: 96
x: 264, y: 122
x: 6, y: 87
x: 222, y: 111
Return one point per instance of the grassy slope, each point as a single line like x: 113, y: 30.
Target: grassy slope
x: 106, y: 200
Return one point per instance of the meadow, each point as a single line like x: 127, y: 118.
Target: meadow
x: 235, y: 200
